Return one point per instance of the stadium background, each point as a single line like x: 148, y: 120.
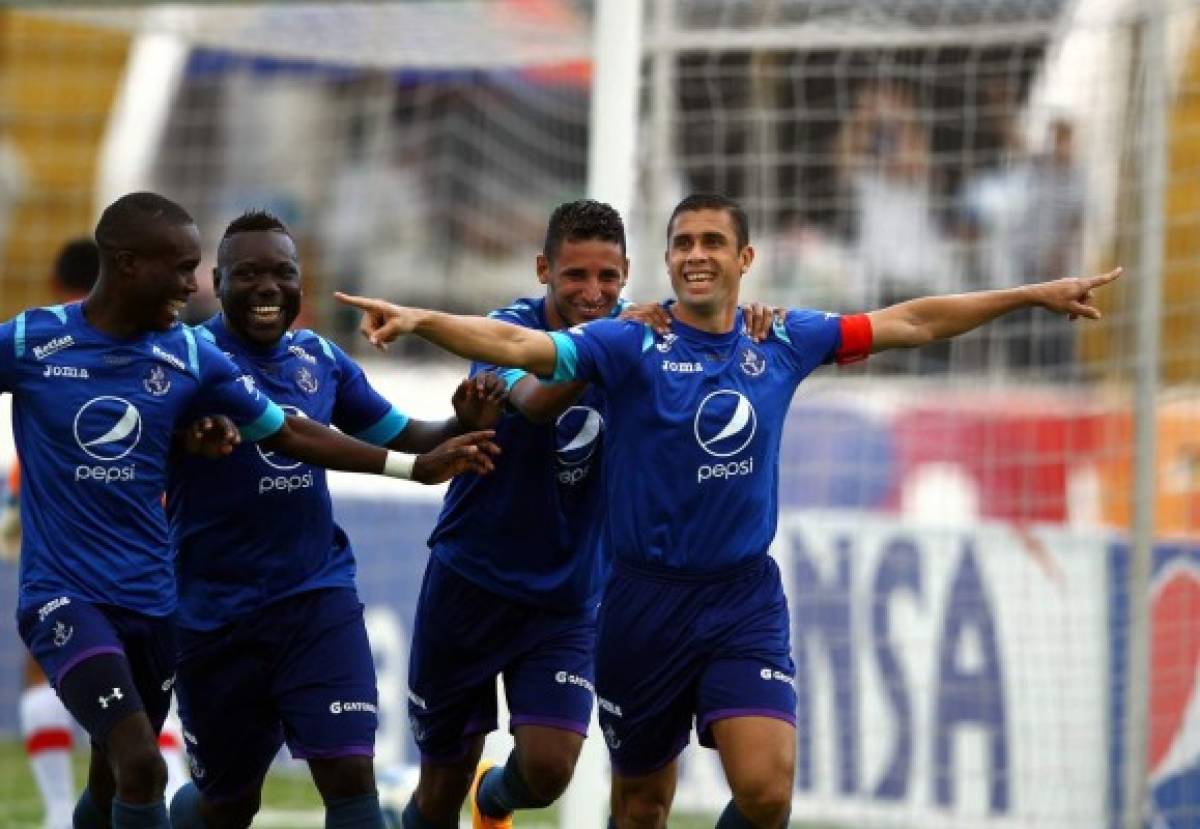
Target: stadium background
x: 992, y: 549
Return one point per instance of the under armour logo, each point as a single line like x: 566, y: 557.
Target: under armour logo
x: 115, y: 695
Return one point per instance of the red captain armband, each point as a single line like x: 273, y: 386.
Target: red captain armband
x: 856, y: 339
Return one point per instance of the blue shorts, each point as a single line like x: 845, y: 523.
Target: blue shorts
x: 671, y: 649
x: 465, y: 636
x: 298, y: 670
x: 66, y: 634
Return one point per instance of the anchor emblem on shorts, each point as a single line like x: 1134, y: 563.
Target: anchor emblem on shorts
x: 62, y: 633
x: 115, y: 695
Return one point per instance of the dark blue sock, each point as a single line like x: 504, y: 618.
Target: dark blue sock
x: 503, y: 790
x: 361, y: 812
x: 732, y: 818
x: 413, y: 819
x: 185, y: 808
x: 139, y: 815
x: 87, y: 814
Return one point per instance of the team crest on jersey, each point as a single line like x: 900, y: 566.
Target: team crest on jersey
x: 156, y: 381
x: 62, y: 633
x: 753, y: 363
x: 306, y: 380
x: 668, y: 340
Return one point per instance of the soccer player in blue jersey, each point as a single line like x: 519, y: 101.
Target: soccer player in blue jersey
x: 512, y: 583
x: 693, y: 622
x: 273, y: 645
x: 99, y: 389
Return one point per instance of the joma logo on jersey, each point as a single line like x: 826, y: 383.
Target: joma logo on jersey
x: 684, y: 367
x: 66, y: 371
x: 167, y: 357
x: 53, y: 347
x: 51, y: 606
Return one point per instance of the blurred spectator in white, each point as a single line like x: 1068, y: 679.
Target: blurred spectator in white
x: 883, y: 156
x: 1026, y: 218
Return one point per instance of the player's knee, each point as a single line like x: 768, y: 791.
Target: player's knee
x: 141, y: 773
x: 548, y: 775
x: 343, y: 777
x: 765, y: 801
x: 237, y: 813
x: 642, y: 812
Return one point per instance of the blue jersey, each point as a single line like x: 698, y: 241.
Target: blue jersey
x: 93, y: 419
x: 691, y: 463
x: 528, y: 530
x: 258, y: 526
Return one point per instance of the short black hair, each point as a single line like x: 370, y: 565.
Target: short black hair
x: 77, y: 267
x: 123, y: 223
x: 583, y: 220
x: 252, y: 221
x: 713, y: 201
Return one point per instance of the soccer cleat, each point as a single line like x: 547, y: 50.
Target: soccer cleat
x: 478, y: 819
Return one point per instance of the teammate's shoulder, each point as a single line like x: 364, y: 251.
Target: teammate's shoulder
x: 309, y: 346
x: 526, y: 311
x: 41, y: 330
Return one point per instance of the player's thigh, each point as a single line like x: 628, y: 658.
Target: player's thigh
x: 463, y: 637
x: 759, y: 757
x: 551, y: 682
x: 232, y: 730
x: 323, y: 677
x: 151, y: 645
x: 80, y: 648
x: 647, y: 665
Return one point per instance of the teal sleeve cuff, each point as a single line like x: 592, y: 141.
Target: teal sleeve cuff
x: 511, y: 376
x: 385, y: 429
x: 566, y: 360
x: 267, y: 424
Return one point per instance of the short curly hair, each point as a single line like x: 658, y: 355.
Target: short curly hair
x: 252, y: 221
x: 583, y: 220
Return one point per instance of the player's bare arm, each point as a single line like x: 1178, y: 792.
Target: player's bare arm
x: 478, y: 403
x: 475, y: 338
x: 541, y: 402
x: 308, y: 441
x: 922, y: 321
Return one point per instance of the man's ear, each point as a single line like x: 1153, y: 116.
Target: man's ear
x: 543, y: 269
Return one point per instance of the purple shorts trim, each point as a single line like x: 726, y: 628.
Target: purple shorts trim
x: 550, y: 722
x: 641, y: 770
x: 732, y: 713
x: 303, y: 753
x: 83, y: 656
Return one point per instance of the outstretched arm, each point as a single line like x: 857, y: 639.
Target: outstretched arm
x: 311, y: 442
x: 922, y: 321
x: 478, y: 403
x: 475, y: 338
